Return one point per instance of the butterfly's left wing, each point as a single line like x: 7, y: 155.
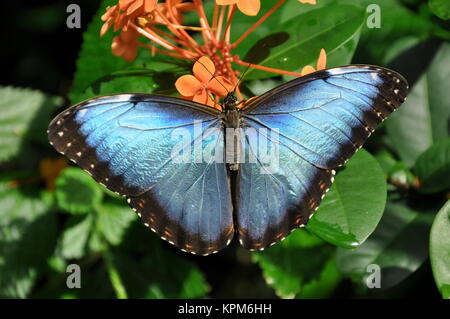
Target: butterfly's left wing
x: 158, y: 152
x: 312, y: 124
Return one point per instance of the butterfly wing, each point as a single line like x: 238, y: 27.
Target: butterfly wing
x: 321, y: 120
x: 141, y: 146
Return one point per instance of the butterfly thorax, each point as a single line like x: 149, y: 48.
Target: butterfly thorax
x: 232, y: 113
x: 232, y: 123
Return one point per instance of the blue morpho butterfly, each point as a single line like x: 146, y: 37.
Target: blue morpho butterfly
x: 127, y: 142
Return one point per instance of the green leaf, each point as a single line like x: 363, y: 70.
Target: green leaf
x: 297, y: 262
x: 113, y: 219
x: 386, y: 160
x: 427, y: 110
x: 27, y: 239
x: 24, y: 116
x: 441, y: 8
x: 74, y: 240
x: 400, y: 29
x: 77, y: 192
x: 439, y: 250
x: 433, y: 168
x: 335, y: 28
x: 354, y: 205
x: 95, y: 60
x: 398, y: 246
x: 114, y: 276
x: 324, y: 286
x: 99, y: 72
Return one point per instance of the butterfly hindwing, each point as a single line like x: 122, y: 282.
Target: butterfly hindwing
x: 320, y: 120
x: 127, y: 142
x: 275, y: 196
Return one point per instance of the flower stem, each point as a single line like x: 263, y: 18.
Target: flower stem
x: 226, y: 33
x: 114, y: 276
x: 220, y: 23
x: 265, y: 68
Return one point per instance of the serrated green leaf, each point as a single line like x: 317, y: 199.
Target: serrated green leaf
x: 441, y: 8
x: 354, y: 205
x: 334, y: 27
x: 324, y: 285
x: 113, y: 219
x: 440, y: 250
x: 398, y: 246
x: 27, y: 239
x: 77, y: 192
x: 24, y: 115
x: 427, y: 110
x: 295, y: 262
x: 433, y: 168
x: 74, y: 240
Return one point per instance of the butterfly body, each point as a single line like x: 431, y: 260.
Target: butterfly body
x: 283, y: 148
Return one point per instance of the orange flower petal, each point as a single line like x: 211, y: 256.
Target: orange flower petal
x: 50, y: 169
x: 117, y: 46
x: 136, y: 5
x: 226, y: 2
x: 130, y: 53
x: 203, y: 97
x: 322, y: 61
x: 308, y: 1
x: 246, y: 102
x: 204, y: 69
x: 109, y: 13
x: 105, y: 27
x: 149, y: 5
x: 220, y: 85
x: 129, y: 35
x: 249, y: 7
x: 307, y: 70
x: 188, y: 85
x: 124, y: 4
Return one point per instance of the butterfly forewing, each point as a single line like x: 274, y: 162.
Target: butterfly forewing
x: 126, y: 142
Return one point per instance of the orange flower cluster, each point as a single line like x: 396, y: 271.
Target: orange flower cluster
x: 199, y: 86
x: 162, y: 23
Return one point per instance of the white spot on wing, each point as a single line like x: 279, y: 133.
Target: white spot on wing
x: 336, y: 71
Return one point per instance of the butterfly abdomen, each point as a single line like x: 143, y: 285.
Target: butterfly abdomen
x: 232, y: 126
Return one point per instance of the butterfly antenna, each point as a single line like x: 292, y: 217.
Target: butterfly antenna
x: 246, y: 69
x: 242, y: 76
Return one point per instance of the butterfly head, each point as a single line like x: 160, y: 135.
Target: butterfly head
x: 229, y: 102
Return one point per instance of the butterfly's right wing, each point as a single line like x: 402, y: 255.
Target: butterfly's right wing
x: 144, y: 147
x: 320, y: 121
